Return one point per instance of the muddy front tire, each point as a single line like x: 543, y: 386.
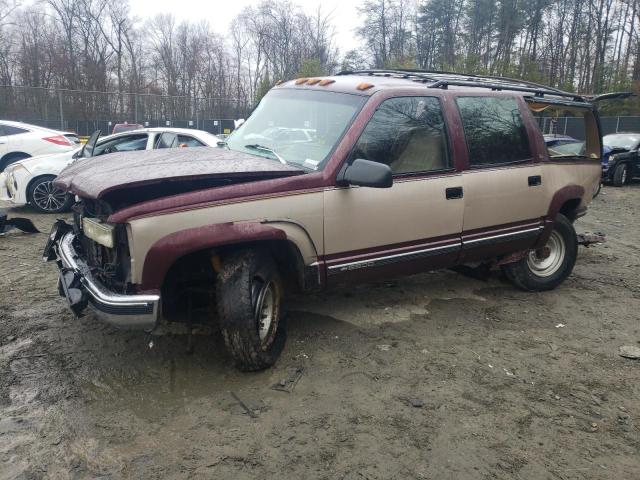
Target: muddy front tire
x: 547, y: 267
x: 249, y: 295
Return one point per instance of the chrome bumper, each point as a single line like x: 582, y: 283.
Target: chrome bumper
x: 82, y: 289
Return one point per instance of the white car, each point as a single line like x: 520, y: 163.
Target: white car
x: 21, y: 140
x: 283, y: 135
x: 30, y: 181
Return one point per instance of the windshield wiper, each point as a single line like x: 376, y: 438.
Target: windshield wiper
x: 256, y: 146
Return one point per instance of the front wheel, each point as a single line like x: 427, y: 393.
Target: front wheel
x: 620, y: 175
x: 249, y: 296
x: 45, y: 197
x: 547, y: 267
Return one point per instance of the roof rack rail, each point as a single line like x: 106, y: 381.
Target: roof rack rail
x: 442, y: 79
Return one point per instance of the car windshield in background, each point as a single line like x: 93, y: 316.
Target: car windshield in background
x: 564, y: 129
x: 620, y: 140
x: 571, y: 149
x: 300, y: 127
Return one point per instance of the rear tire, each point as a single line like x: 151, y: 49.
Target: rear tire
x: 249, y: 295
x: 44, y: 197
x: 620, y: 175
x: 547, y: 267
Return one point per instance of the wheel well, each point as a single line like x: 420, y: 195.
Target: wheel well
x: 32, y: 181
x: 196, y: 272
x: 4, y: 161
x: 570, y: 208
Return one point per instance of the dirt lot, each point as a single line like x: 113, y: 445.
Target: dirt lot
x: 436, y: 376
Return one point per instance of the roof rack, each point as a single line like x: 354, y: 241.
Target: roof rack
x: 442, y: 79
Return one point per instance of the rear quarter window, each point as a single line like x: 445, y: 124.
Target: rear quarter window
x: 8, y: 130
x: 494, y: 130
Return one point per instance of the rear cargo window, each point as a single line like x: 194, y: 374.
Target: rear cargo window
x: 564, y: 129
x: 494, y: 130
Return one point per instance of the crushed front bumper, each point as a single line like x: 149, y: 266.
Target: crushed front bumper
x: 9, y: 191
x: 81, y: 289
x: 4, y: 187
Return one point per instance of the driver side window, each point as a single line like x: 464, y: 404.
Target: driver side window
x: 408, y: 134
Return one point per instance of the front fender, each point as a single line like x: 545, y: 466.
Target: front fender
x: 166, y: 251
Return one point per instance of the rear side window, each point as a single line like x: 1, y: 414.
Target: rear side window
x: 8, y: 130
x: 494, y: 130
x: 406, y: 133
x: 126, y: 143
x: 187, y: 141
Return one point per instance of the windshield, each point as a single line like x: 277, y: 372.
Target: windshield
x: 299, y: 127
x: 626, y: 142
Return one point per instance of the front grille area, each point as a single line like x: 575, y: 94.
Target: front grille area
x: 110, y: 265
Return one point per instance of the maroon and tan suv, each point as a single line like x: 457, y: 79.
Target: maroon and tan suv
x: 383, y: 173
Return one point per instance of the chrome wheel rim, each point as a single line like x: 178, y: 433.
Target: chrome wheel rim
x: 546, y: 261
x: 624, y: 174
x: 265, y: 308
x: 48, y: 197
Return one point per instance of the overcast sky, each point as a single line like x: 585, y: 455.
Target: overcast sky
x: 219, y: 14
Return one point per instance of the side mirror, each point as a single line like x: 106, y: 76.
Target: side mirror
x: 366, y: 173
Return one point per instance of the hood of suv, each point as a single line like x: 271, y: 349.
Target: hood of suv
x: 143, y: 175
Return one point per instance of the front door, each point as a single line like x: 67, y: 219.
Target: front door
x: 412, y: 226
x: 4, y: 147
x: 503, y: 186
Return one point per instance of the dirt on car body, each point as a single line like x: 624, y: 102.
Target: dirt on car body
x: 431, y: 376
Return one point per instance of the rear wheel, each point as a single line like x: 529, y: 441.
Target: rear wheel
x: 547, y: 267
x: 621, y: 174
x: 45, y: 197
x: 249, y: 296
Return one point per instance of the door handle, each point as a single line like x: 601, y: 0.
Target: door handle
x: 454, y: 192
x: 535, y: 180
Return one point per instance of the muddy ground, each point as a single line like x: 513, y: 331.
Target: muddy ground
x: 436, y: 376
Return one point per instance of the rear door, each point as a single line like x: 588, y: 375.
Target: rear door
x: 4, y: 142
x: 20, y: 140
x: 503, y: 185
x: 412, y: 226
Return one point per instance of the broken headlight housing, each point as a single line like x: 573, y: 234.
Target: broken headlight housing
x: 99, y: 232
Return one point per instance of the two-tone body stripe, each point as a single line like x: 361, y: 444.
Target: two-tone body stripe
x: 503, y: 237
x: 388, y: 259
x: 336, y: 268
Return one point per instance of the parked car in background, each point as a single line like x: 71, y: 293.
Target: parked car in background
x: 21, y: 140
x: 406, y: 171
x: 30, y: 181
x: 72, y: 137
x: 126, y: 127
x: 552, y: 140
x: 621, y: 161
x: 280, y: 136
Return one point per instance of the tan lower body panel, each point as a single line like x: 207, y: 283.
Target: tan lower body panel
x: 299, y: 215
x: 363, y: 218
